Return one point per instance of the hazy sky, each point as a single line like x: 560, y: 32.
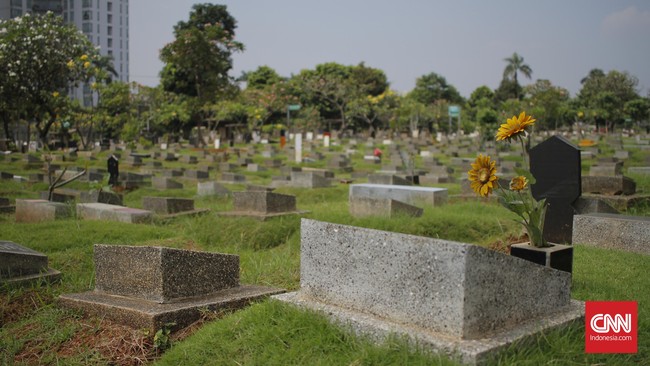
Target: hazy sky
x: 464, y: 41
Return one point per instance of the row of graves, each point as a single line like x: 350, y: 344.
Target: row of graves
x: 462, y: 300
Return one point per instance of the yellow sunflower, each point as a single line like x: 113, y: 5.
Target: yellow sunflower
x: 483, y: 175
x: 514, y: 126
x: 518, y: 183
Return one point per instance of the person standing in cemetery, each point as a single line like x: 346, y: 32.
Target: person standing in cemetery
x: 113, y: 170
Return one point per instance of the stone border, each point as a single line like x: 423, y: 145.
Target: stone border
x: 471, y: 352
x: 50, y: 276
x: 260, y: 216
x: 138, y: 313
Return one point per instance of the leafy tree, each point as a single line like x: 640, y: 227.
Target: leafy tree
x: 197, y: 62
x: 604, y: 96
x: 413, y: 114
x: 548, y: 102
x: 374, y: 111
x: 40, y: 58
x: 370, y: 80
x: 638, y: 109
x: 271, y: 101
x: 262, y: 77
x: 432, y: 87
x: 516, y: 65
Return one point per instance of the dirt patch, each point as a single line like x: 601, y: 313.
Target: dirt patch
x: 16, y: 307
x: 503, y: 246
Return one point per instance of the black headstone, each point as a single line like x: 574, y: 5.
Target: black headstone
x: 555, y: 164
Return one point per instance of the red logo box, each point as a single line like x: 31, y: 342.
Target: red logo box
x: 611, y: 326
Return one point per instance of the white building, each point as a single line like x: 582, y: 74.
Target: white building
x: 104, y: 22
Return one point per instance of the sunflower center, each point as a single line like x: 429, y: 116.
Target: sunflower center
x: 483, y: 175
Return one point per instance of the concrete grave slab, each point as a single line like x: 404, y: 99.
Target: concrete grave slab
x: 106, y: 212
x: 417, y: 196
x: 460, y: 299
x: 211, y: 189
x: 28, y: 210
x: 164, y: 183
x: 262, y: 204
x: 20, y: 266
x: 364, y: 206
x: 613, y: 231
x: 387, y: 179
x: 608, y: 185
x: 148, y: 287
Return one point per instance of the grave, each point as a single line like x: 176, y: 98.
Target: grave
x: 262, y: 204
x: 28, y: 210
x: 171, y: 173
x: 555, y: 164
x: 608, y: 185
x: 196, y: 174
x: 20, y: 266
x: 460, y: 299
x: 387, y: 179
x: 211, y: 189
x: 309, y: 180
x: 149, y: 287
x: 101, y: 196
x: 106, y: 212
x: 232, y: 178
x: 606, y: 169
x: 612, y: 231
x: 644, y: 170
x: 413, y: 195
x: 169, y: 207
x: 364, y: 206
x: 165, y: 183
x: 6, y: 206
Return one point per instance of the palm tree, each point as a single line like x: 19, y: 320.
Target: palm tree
x: 516, y: 65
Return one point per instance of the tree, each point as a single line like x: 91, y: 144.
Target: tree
x: 374, y: 111
x: 548, y: 102
x: 40, y: 59
x: 370, y: 81
x: 200, y: 57
x: 516, y: 65
x: 604, y: 96
x: 432, y: 87
x: 262, y: 77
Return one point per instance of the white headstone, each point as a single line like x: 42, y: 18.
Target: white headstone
x: 326, y: 141
x: 299, y: 148
x: 217, y: 143
x: 163, y: 146
x: 310, y: 136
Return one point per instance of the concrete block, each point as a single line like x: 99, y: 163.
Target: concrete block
x: 41, y: 210
x: 165, y: 183
x: 197, y: 174
x: 167, y: 205
x: 106, y: 212
x: 609, y: 185
x: 148, y: 287
x: 309, y: 180
x: 458, y: 298
x: 386, y: 179
x: 211, y: 189
x: 364, y: 206
x: 417, y: 196
x: 20, y: 265
x: 612, y: 231
x: 263, y: 202
x: 101, y: 197
x: 233, y: 178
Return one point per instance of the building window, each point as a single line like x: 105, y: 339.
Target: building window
x: 87, y: 27
x: 65, y: 17
x: 18, y: 3
x: 71, y: 16
x: 87, y: 15
x: 110, y: 52
x: 109, y: 6
x: 87, y: 3
x: 109, y: 30
x: 98, y: 29
x: 110, y: 43
x: 71, y: 4
x: 109, y: 18
x: 16, y: 12
x: 90, y: 38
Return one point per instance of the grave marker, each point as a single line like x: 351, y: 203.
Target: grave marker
x: 555, y: 164
x: 20, y: 266
x: 148, y: 287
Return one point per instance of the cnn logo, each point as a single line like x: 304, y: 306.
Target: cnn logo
x: 604, y: 323
x: 611, y: 326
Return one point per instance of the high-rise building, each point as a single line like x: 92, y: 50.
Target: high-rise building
x: 104, y: 22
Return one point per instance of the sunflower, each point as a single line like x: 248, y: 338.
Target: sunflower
x: 514, y: 126
x: 482, y: 176
x: 518, y: 183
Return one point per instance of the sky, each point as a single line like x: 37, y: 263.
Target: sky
x: 465, y: 41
